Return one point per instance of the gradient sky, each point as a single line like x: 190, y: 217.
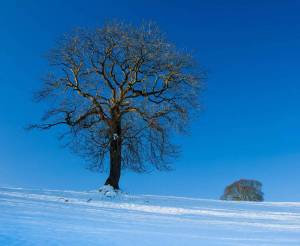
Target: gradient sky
x: 250, y: 124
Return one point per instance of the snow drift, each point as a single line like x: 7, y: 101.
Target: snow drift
x: 53, y: 217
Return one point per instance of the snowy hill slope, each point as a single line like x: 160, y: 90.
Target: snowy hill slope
x: 51, y: 217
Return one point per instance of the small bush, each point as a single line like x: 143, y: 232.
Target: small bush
x: 243, y: 190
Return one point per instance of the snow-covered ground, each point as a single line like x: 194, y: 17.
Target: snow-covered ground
x: 53, y: 217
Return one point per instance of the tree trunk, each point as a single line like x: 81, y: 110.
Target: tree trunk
x: 115, y: 156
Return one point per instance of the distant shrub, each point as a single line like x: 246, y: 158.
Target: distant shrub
x: 244, y: 190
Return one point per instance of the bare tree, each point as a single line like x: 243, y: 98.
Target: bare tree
x: 120, y: 90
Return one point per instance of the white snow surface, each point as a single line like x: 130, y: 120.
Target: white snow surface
x: 56, y: 217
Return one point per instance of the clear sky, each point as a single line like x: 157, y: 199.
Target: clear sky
x: 250, y: 124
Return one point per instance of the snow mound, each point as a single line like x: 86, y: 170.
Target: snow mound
x: 109, y: 192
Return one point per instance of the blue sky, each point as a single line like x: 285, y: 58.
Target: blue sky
x: 250, y: 124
